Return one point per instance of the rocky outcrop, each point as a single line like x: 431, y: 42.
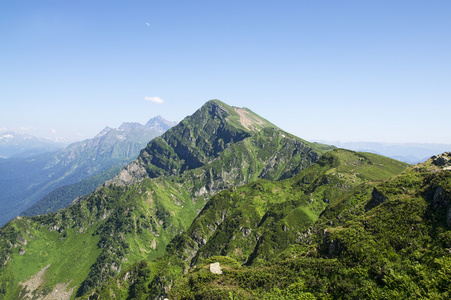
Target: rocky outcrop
x: 442, y: 160
x: 132, y: 173
x: 215, y: 268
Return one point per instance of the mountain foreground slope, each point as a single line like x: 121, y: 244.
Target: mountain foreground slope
x: 382, y: 239
x: 24, y: 181
x: 249, y: 227
x: 156, y: 197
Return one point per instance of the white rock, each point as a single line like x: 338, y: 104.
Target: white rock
x: 215, y: 268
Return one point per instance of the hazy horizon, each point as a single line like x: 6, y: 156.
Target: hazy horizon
x: 335, y: 71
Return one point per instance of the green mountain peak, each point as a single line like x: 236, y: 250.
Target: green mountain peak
x: 195, y: 141
x: 243, y: 118
x: 155, y: 198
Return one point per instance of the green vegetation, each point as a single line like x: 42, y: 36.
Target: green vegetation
x: 380, y: 240
x: 134, y: 216
x: 282, y: 218
x: 255, y: 224
x: 36, y: 245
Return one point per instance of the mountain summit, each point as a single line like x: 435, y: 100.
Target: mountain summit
x: 202, y: 137
x: 154, y: 198
x: 160, y: 123
x: 226, y: 190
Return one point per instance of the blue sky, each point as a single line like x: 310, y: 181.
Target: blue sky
x: 322, y: 70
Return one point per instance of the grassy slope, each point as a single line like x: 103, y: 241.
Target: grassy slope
x: 69, y: 257
x: 125, y: 224
x: 171, y: 198
x: 380, y: 240
x: 255, y: 222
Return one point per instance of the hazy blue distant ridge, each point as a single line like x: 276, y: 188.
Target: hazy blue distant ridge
x: 24, y: 181
x: 14, y: 144
x: 411, y: 153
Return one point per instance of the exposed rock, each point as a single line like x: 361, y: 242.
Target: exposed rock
x: 153, y: 245
x: 22, y: 240
x: 116, y: 268
x: 245, y: 119
x: 54, y: 228
x: 442, y: 160
x: 132, y: 173
x: 35, y: 282
x: 60, y: 292
x: 215, y: 268
x: 76, y: 200
x: 201, y: 192
x: 245, y: 231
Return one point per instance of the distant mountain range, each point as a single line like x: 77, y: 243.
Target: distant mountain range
x: 14, y: 144
x: 411, y: 153
x: 24, y: 181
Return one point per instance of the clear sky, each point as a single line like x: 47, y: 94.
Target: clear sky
x: 322, y: 70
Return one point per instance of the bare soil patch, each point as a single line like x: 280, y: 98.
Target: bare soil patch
x: 35, y: 282
x: 245, y: 120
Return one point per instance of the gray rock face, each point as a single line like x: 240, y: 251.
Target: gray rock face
x: 442, y: 160
x: 215, y: 268
x: 132, y: 173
